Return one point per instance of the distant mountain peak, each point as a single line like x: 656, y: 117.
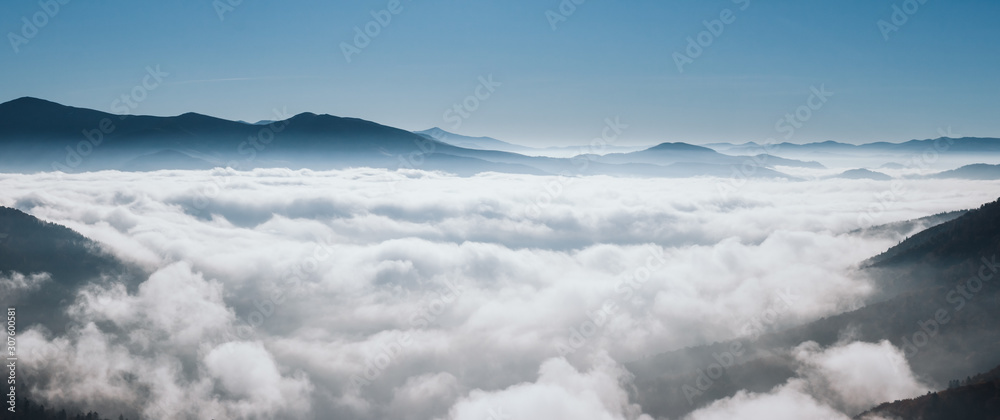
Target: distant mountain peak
x: 440, y: 131
x: 685, y: 147
x: 32, y: 103
x: 479, y: 143
x: 304, y: 116
x: 194, y: 116
x: 978, y: 171
x: 862, y: 173
x: 28, y: 100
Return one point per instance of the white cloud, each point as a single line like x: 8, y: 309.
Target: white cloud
x: 834, y: 383
x: 333, y: 267
x: 789, y: 401
x: 861, y: 375
x: 561, y: 392
x: 248, y: 372
x: 160, y: 333
x: 15, y: 283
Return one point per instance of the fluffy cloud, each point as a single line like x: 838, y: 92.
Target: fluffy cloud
x: 859, y: 375
x: 14, y: 283
x: 167, y: 304
x: 790, y: 401
x: 347, y: 294
x: 248, y: 372
x: 165, y: 351
x: 834, y: 383
x: 561, y: 392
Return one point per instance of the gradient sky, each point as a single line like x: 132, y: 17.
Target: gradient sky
x: 608, y: 58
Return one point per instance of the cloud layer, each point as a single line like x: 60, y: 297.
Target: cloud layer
x: 369, y: 294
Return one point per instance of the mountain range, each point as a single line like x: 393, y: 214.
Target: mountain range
x: 966, y: 145
x: 39, y: 135
x: 489, y: 143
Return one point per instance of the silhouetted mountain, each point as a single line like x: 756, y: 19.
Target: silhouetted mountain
x: 943, y: 247
x: 772, y: 161
x: 957, y: 145
x: 481, y: 143
x: 940, y: 154
x: 669, y: 153
x: 976, y: 398
x: 42, y: 120
x: 38, y: 135
x: 908, y: 227
x: 59, y: 259
x: 979, y: 171
x: 925, y: 279
x: 489, y: 143
x: 863, y: 174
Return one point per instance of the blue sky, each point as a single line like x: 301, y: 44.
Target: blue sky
x: 606, y: 59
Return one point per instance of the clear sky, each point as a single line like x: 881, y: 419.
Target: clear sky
x: 605, y: 59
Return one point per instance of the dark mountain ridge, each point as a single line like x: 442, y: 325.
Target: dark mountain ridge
x: 38, y: 135
x: 928, y: 277
x: 960, y: 145
x: 974, y: 398
x: 33, y: 247
x: 979, y: 171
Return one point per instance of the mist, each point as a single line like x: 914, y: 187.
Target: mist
x: 375, y: 294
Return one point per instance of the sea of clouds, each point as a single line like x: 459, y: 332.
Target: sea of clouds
x: 368, y: 294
